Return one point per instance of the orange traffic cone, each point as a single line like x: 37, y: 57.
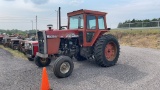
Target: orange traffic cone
x: 45, y: 82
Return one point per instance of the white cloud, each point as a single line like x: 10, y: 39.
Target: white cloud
x: 21, y: 5
x: 138, y: 9
x: 76, y: 2
x: 18, y: 5
x: 67, y: 2
x: 57, y: 1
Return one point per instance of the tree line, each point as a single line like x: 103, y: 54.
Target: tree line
x: 140, y: 23
x: 16, y: 31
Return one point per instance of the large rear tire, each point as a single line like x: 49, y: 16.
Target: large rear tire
x: 63, y: 67
x: 106, y: 51
x: 42, y: 62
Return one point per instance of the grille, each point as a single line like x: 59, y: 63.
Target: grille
x: 29, y: 52
x: 41, y: 42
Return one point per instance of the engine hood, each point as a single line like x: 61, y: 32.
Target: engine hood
x: 61, y: 33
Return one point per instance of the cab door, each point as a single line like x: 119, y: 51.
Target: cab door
x: 91, y: 28
x: 94, y: 25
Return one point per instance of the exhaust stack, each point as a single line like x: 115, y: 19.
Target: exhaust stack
x: 59, y: 18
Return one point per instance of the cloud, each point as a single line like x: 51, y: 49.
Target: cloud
x: 38, y: 2
x: 57, y: 1
x: 138, y: 9
x: 76, y: 2
x: 9, y: 0
x: 67, y: 2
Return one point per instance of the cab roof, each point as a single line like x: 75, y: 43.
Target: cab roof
x: 83, y: 11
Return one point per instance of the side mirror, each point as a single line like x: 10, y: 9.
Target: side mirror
x: 108, y: 28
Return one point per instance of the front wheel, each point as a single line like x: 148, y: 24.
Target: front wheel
x: 30, y: 59
x: 106, y: 50
x: 63, y: 67
x: 42, y: 62
x: 15, y: 47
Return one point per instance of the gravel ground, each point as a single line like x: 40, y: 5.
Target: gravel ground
x: 137, y: 69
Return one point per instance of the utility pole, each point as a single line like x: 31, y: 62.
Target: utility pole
x: 36, y: 25
x: 32, y: 24
x: 57, y: 18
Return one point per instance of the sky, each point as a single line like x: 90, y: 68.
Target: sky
x: 19, y: 14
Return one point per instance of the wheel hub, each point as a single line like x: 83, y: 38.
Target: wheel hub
x: 110, y: 51
x: 43, y: 60
x: 65, y: 67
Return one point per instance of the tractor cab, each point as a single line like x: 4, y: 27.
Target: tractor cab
x: 89, y: 23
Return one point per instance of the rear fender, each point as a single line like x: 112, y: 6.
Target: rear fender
x: 97, y: 35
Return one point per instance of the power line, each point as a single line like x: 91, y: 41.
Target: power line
x: 13, y: 22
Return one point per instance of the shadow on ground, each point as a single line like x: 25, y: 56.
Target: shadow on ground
x: 87, y: 70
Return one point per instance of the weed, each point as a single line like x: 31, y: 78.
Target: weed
x: 148, y: 38
x: 15, y: 53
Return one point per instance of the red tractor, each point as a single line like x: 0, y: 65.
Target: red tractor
x: 1, y: 39
x: 32, y: 50
x: 85, y: 38
x: 22, y: 46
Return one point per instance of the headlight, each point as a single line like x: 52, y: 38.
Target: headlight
x: 25, y: 46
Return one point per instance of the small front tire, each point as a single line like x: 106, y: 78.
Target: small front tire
x: 63, y: 67
x: 30, y: 59
x: 42, y: 62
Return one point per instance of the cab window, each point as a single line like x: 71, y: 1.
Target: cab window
x: 91, y: 22
x: 101, y: 22
x: 76, y: 22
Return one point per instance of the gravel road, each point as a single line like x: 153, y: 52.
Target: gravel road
x: 137, y: 69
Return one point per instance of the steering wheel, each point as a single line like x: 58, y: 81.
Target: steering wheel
x: 79, y: 27
x: 93, y: 27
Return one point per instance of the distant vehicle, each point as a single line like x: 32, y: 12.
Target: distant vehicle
x: 7, y: 41
x: 32, y: 50
x: 1, y: 39
x: 14, y: 44
x: 22, y: 46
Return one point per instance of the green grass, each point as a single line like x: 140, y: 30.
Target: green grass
x: 148, y: 38
x: 15, y: 53
x: 136, y: 31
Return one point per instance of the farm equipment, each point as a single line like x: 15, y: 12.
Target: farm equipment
x: 7, y: 41
x: 14, y: 44
x: 1, y: 39
x: 85, y: 38
x: 32, y: 50
x: 22, y: 46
